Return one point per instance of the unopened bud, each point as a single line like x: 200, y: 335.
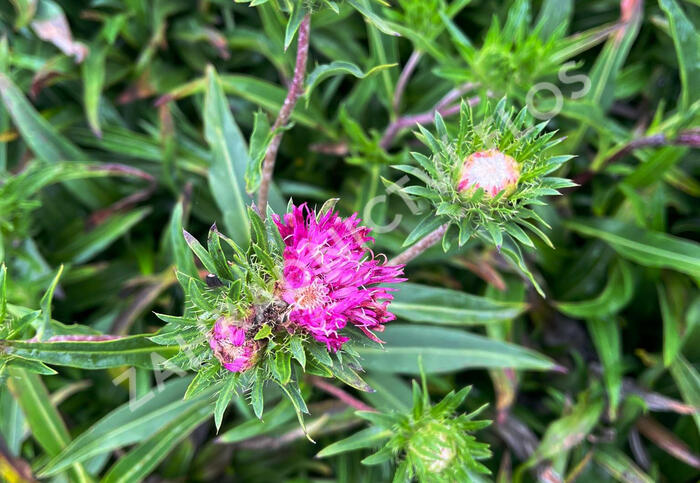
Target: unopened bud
x: 435, y: 445
x: 228, y: 341
x: 491, y: 170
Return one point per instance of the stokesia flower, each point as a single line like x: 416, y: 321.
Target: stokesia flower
x: 230, y: 346
x: 491, y: 170
x: 331, y: 278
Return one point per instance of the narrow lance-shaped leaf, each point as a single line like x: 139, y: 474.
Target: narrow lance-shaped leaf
x: 44, y: 141
x: 685, y: 40
x: 135, y: 350
x: 132, y: 422
x: 421, y: 303
x: 645, y: 247
x: 43, y: 418
x: 229, y: 162
x: 606, y: 338
x: 445, y: 350
x: 614, y: 297
x: 145, y: 457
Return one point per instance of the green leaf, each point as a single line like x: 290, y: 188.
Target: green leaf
x: 292, y: 392
x: 365, y: 9
x: 3, y: 292
x: 12, y: 424
x: 256, y: 394
x: 93, y: 73
x: 201, y: 252
x: 280, y: 415
x: 296, y: 347
x: 367, y: 438
x: 271, y: 97
x: 338, y: 67
x: 619, y: 466
x: 130, y: 423
x: 293, y: 24
x: 421, y: 303
x: 229, y: 161
x: 262, y: 333
x: 671, y: 314
x: 29, y: 366
x: 282, y: 367
x: 645, y: 247
x: 43, y: 418
x: 606, y: 70
x: 605, y: 334
x: 225, y: 394
x: 45, y: 304
x: 259, y: 141
x: 685, y: 40
x: 350, y: 377
x: 444, y: 350
x: 688, y: 382
x: 381, y: 456
x: 42, y: 138
x: 568, y: 431
x: 82, y: 248
x: 614, y: 297
x: 145, y: 457
x: 135, y: 350
x: 181, y: 253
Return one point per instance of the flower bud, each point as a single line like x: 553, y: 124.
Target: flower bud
x: 434, y: 444
x: 227, y: 340
x: 491, y: 170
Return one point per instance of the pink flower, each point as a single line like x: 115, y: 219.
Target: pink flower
x: 331, y: 278
x: 491, y: 170
x: 228, y: 341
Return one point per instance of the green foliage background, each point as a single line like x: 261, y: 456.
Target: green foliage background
x: 121, y: 122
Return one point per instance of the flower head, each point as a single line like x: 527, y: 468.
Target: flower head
x: 491, y: 170
x: 331, y: 278
x: 485, y: 178
x: 230, y: 346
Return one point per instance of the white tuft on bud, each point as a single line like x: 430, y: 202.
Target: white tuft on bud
x: 491, y: 170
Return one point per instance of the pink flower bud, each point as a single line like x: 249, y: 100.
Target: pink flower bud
x: 227, y: 340
x: 491, y: 170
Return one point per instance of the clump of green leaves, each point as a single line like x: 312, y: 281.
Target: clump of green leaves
x: 513, y: 55
x: 430, y: 443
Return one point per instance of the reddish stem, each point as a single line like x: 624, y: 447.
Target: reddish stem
x: 404, y: 77
x: 420, y: 246
x: 689, y: 138
x: 296, y: 89
x: 339, y: 394
x: 423, y: 118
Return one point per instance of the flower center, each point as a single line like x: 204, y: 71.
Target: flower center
x: 312, y: 296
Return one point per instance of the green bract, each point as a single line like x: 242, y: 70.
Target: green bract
x: 430, y: 443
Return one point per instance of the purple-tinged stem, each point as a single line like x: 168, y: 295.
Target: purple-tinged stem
x: 296, y: 89
x: 339, y: 394
x: 419, y: 247
x: 423, y: 118
x: 404, y: 77
x: 689, y: 138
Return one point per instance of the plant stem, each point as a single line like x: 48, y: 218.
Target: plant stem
x: 424, y: 118
x: 404, y: 77
x: 340, y: 394
x: 690, y: 138
x: 420, y: 246
x: 296, y: 89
